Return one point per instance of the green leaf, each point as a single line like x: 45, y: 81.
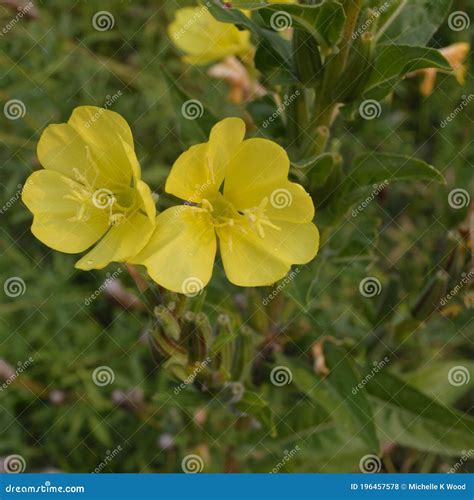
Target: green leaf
x: 393, y: 62
x: 369, y: 174
x: 273, y: 64
x: 377, y: 168
x: 408, y: 417
x: 267, y: 116
x: 434, y: 380
x: 335, y: 394
x: 343, y: 379
x: 317, y: 168
x: 356, y: 245
x: 251, y: 403
x: 324, y: 21
x: 413, y: 22
x: 194, y: 120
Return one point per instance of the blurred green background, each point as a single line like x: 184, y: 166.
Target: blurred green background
x: 53, y: 414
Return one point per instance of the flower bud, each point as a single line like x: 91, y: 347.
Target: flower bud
x: 168, y: 322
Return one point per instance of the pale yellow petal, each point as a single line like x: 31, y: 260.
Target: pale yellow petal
x: 62, y: 149
x: 120, y: 244
x: 110, y: 141
x: 146, y: 199
x: 191, y: 177
x: 289, y: 202
x: 258, y: 167
x: 199, y: 172
x: 60, y: 221
x: 180, y: 254
x: 250, y: 260
x: 204, y: 39
x: 225, y: 141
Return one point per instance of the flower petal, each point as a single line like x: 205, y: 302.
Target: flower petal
x: 146, y: 199
x: 121, y: 243
x: 95, y: 146
x: 61, y: 149
x: 290, y: 202
x: 204, y: 39
x: 200, y: 170
x: 181, y: 252
x: 110, y: 139
x: 47, y: 194
x: 250, y: 260
x: 258, y: 167
x: 225, y: 141
x: 191, y: 178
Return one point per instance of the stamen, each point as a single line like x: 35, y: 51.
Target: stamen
x: 258, y: 219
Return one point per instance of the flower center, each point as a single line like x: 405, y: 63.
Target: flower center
x: 88, y: 199
x: 222, y: 213
x: 258, y: 218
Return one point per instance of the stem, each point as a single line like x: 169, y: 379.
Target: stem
x: 326, y: 106
x: 149, y: 297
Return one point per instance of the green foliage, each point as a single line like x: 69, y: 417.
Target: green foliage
x: 342, y: 400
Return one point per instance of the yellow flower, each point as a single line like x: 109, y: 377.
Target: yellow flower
x: 236, y: 191
x: 90, y: 189
x: 205, y: 40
